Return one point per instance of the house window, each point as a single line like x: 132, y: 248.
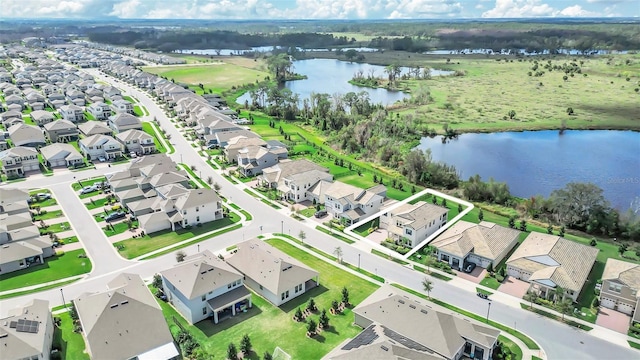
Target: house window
x: 615, y: 287
x: 198, y: 218
x: 229, y: 286
x: 282, y: 296
x: 197, y: 209
x: 408, y: 231
x: 204, y: 311
x: 287, y: 294
x: 204, y: 297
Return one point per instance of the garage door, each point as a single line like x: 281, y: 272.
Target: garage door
x: 513, y: 272
x: 625, y: 308
x: 608, y: 303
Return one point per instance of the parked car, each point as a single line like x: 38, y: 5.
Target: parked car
x: 88, y: 189
x: 469, y: 267
x: 101, y: 159
x: 482, y: 295
x: 43, y: 196
x: 115, y: 216
x: 320, y: 213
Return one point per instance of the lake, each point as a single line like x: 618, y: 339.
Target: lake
x: 259, y: 49
x: 332, y: 76
x: 538, y: 162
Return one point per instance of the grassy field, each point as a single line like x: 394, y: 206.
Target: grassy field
x: 140, y: 246
x: 56, y: 228
x: 55, y: 268
x: 264, y: 320
x: 217, y: 76
x: 146, y: 127
x: 71, y: 344
x: 480, y: 100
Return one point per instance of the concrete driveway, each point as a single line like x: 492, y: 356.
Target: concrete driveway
x: 378, y: 236
x: 475, y: 276
x: 613, y: 320
x: 515, y: 287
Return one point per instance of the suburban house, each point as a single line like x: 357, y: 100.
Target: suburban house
x: 61, y: 131
x: 100, y: 110
x: 397, y: 325
x: 482, y: 244
x: 94, y: 128
x: 10, y: 118
x: 123, y: 122
x: 14, y: 99
x: 271, y: 273
x: 96, y: 146
x: 137, y: 141
x: 73, y: 113
x: 27, y: 332
x: 111, y: 93
x: 223, y: 138
x: 59, y: 154
x: 238, y: 143
x: 350, y: 203
x: 125, y: 322
x: 296, y: 179
x: 204, y: 286
x: 253, y: 159
x: 411, y: 224
x: 195, y: 206
x: 548, y: 262
x: 41, y: 117
x: 122, y: 107
x: 19, y: 160
x: 621, y: 287
x: 26, y: 135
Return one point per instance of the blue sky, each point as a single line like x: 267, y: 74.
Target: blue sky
x: 317, y: 9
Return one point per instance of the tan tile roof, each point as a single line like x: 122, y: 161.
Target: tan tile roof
x: 541, y: 251
x: 623, y: 271
x: 270, y: 267
x: 485, y: 239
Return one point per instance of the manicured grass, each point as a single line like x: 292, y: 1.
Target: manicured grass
x: 146, y: 127
x: 515, y: 349
x: 634, y: 344
x: 98, y: 203
x: 70, y: 239
x: 118, y: 228
x: 194, y: 176
x: 432, y: 273
x: 556, y: 317
x: 38, y: 289
x: 137, y: 111
x: 54, y: 268
x: 264, y: 320
x: 71, y: 344
x: 490, y: 282
x: 337, y: 236
x: 217, y: 233
x: 308, y: 212
x: 525, y: 339
x: 483, y: 291
x: 49, y: 215
x: 388, y: 257
x: 364, y: 229
x: 45, y: 203
x: 56, y: 228
x: 82, y: 183
x: 142, y: 245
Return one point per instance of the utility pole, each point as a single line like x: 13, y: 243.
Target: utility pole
x: 63, y: 302
x: 359, y: 261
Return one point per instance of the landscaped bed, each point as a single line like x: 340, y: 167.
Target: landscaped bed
x: 55, y: 268
x: 264, y: 321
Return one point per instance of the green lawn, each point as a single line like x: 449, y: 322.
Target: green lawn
x: 38, y: 289
x: 634, y: 344
x: 82, y: 183
x: 118, y: 228
x: 264, y: 320
x: 56, y: 228
x: 70, y: 344
x: 490, y: 282
x: 482, y: 291
x: 96, y: 204
x: 48, y: 215
x: 70, y: 239
x: 364, y: 229
x: 515, y: 349
x: 337, y: 236
x: 140, y: 246
x: 137, y: 111
x: 55, y: 268
x: 189, y: 243
x: 146, y: 127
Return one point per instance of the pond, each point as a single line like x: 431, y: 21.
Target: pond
x: 538, y: 162
x: 332, y: 76
x: 260, y: 49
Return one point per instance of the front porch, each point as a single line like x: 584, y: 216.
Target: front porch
x: 455, y: 262
x: 230, y: 303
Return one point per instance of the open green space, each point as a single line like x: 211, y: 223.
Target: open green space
x: 490, y: 282
x: 264, y: 320
x: 146, y: 127
x: 46, y: 215
x: 553, y: 316
x: 94, y: 204
x: 145, y: 244
x: 515, y: 349
x: 38, y: 289
x: 70, y: 344
x: 337, y: 236
x: 137, y: 111
x: 54, y: 268
x: 215, y: 76
x: 86, y: 182
x: 522, y: 337
x: 56, y: 228
x: 189, y: 243
x: 119, y: 228
x: 634, y: 344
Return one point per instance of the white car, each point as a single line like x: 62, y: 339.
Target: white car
x: 101, y: 159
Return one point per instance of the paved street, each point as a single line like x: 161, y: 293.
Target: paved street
x: 558, y: 341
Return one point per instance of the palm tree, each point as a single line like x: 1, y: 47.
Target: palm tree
x: 564, y: 307
x: 209, y: 180
x: 427, y: 285
x: 533, y: 296
x: 429, y: 261
x: 558, y: 294
x: 338, y: 253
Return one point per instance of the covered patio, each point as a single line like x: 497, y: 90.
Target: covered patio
x: 235, y: 299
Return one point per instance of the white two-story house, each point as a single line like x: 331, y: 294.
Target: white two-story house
x: 351, y: 203
x: 410, y: 224
x: 99, y: 145
x: 204, y: 286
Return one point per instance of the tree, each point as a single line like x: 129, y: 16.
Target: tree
x: 180, y: 255
x: 193, y: 168
x: 564, y: 307
x: 444, y: 202
x: 209, y: 180
x: 351, y: 54
x: 232, y: 352
x: 430, y: 261
x: 338, y: 253
x: 302, y: 235
x: 324, y: 319
x: 523, y: 225
x: 311, y: 305
x: 312, y: 327
x: 345, y: 296
x: 490, y: 268
x: 216, y: 187
x: 511, y: 114
x: 569, y: 111
x: 460, y: 208
x: 550, y: 229
x: 298, y: 314
x: 427, y: 285
x: 561, y: 232
x: 480, y: 215
x: 558, y: 294
x: 623, y: 248
x: 245, y: 345
x: 581, y: 206
x: 267, y: 356
x: 512, y: 221
x: 157, y: 281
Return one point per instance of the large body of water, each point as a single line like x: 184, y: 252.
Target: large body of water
x: 538, y: 162
x: 332, y: 76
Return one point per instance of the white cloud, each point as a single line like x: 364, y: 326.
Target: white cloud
x: 518, y: 9
x: 423, y: 8
x: 575, y: 11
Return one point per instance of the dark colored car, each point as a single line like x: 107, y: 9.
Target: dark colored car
x: 482, y: 295
x: 469, y: 267
x: 320, y: 213
x: 115, y: 216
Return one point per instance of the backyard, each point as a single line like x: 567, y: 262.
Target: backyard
x: 70, y: 344
x: 269, y: 326
x: 54, y: 268
x: 132, y: 248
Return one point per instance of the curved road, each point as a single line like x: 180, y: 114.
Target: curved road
x: 559, y: 341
